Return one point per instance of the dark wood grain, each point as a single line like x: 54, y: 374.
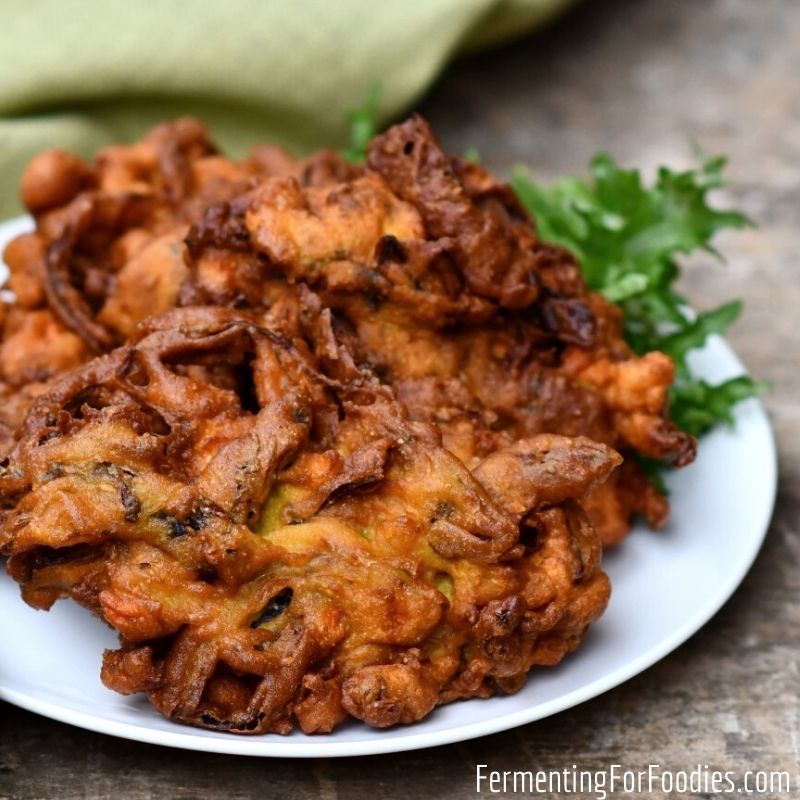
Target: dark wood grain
x: 642, y: 79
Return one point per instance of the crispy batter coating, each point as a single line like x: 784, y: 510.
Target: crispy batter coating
x: 278, y: 542
x: 106, y: 253
x: 348, y: 440
x: 431, y: 267
x: 108, y: 250
x: 436, y: 272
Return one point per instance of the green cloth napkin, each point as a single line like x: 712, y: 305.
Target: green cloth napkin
x: 79, y: 74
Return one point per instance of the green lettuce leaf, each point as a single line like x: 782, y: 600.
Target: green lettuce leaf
x: 628, y: 237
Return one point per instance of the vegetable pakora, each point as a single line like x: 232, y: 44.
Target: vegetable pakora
x: 430, y: 266
x: 316, y: 439
x: 277, y: 541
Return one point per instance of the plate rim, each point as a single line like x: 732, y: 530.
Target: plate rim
x: 187, y: 738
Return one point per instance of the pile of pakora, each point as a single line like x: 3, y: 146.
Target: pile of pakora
x: 316, y: 439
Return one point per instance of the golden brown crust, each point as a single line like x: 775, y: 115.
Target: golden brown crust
x: 350, y: 438
x: 277, y: 543
x: 430, y: 262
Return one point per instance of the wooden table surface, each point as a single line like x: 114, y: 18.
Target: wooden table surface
x: 641, y: 79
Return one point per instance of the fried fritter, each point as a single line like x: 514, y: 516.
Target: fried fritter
x: 108, y: 247
x: 277, y: 542
x: 432, y: 269
x: 435, y: 271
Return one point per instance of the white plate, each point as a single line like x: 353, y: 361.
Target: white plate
x: 666, y: 586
